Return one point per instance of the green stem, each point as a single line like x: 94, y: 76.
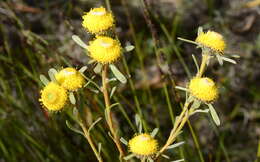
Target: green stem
x: 205, y: 58
x: 91, y: 143
x: 177, y: 127
x: 108, y: 5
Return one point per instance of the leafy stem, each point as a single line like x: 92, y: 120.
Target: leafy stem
x: 108, y: 113
x: 89, y: 139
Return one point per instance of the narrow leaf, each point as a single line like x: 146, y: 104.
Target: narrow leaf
x: 73, y: 128
x: 187, y: 40
x: 196, y: 62
x: 214, y: 114
x: 72, y: 98
x: 99, y: 147
x: 129, y: 48
x: 123, y: 141
x: 113, y: 105
x: 112, y: 91
x: 154, y: 132
x: 175, y: 145
x: 137, y: 120
x: 140, y: 127
x: 118, y: 74
x: 44, y: 80
x: 181, y: 88
x: 178, y: 160
x: 128, y: 157
x: 220, y: 60
x: 229, y: 60
x: 83, y: 69
x: 93, y: 124
x: 200, y: 30
x: 98, y: 68
x: 165, y: 156
x: 52, y: 73
x: 79, y: 41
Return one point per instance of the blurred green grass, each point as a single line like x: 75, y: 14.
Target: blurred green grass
x: 36, y: 36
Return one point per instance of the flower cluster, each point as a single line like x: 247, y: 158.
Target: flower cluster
x: 103, y: 49
x: 55, y: 94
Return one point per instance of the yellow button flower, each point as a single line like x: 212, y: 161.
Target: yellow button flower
x: 203, y: 89
x: 53, y: 96
x: 70, y: 79
x: 212, y: 40
x: 97, y: 20
x: 104, y: 49
x: 143, y: 145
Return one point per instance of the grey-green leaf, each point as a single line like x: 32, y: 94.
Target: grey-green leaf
x: 44, y: 80
x: 214, y: 114
x: 72, y: 98
x: 83, y: 69
x: 200, y: 30
x: 79, y: 41
x: 154, y: 132
x: 93, y: 124
x: 129, y: 157
x: 112, y: 91
x: 175, y: 145
x: 118, y: 74
x: 129, y: 48
x: 99, y: 147
x: 52, y: 73
x: 98, y: 68
x: 73, y: 128
x: 123, y: 141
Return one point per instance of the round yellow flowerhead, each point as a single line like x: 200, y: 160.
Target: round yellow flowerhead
x: 203, y: 89
x: 70, y: 79
x: 104, y: 49
x: 53, y: 96
x: 97, y: 20
x: 212, y: 40
x: 143, y: 145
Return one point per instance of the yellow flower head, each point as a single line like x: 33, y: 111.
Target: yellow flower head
x: 203, y: 89
x: 97, y: 20
x: 212, y: 40
x: 143, y: 145
x: 70, y: 79
x: 104, y: 49
x: 53, y: 96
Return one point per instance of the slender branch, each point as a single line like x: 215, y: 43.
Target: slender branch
x: 108, y: 112
x: 182, y: 119
x: 89, y: 139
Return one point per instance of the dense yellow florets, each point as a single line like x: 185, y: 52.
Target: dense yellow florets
x: 212, y: 40
x: 143, y: 145
x: 70, y: 79
x: 97, y: 20
x: 104, y: 49
x: 53, y: 96
x: 203, y: 89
